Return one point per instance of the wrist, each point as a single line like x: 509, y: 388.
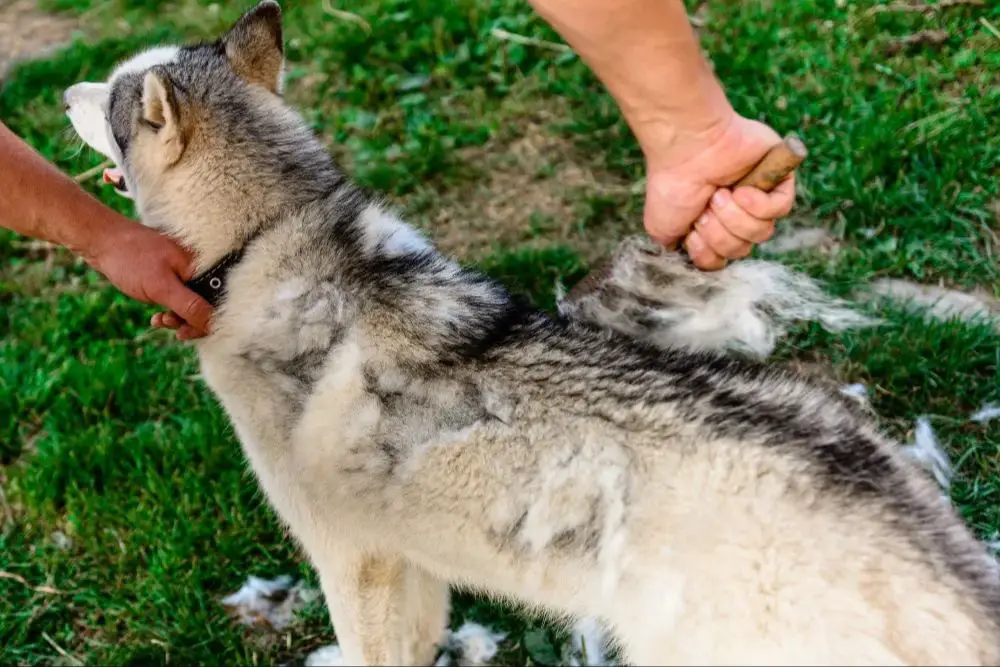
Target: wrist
x: 91, y: 230
x: 669, y: 137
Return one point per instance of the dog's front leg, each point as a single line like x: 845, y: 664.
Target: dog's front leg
x: 384, y: 611
x: 425, y: 617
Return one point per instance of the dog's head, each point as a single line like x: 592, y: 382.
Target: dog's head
x: 197, y: 131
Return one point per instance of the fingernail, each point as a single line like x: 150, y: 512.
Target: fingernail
x: 721, y: 199
x: 701, y: 220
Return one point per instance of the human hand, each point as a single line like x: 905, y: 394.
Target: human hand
x: 687, y: 199
x: 151, y: 268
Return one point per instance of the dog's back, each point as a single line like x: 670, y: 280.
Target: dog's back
x: 792, y: 527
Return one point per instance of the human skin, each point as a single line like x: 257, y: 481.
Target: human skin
x: 38, y: 200
x: 647, y: 55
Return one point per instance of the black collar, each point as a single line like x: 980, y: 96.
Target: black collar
x: 211, y: 285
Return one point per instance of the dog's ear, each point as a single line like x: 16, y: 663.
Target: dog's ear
x: 254, y: 46
x: 162, y: 113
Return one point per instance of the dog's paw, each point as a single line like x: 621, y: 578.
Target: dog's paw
x: 660, y: 297
x: 328, y: 656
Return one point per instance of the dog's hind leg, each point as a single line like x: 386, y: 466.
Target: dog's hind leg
x: 384, y: 611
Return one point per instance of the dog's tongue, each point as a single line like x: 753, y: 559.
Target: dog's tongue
x: 114, y: 177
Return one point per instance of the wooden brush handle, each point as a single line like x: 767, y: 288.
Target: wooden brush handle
x: 776, y: 164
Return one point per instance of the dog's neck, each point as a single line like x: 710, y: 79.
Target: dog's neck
x: 211, y: 284
x: 216, y: 254
x: 217, y: 198
x: 220, y: 247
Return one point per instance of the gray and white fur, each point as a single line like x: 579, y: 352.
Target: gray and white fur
x: 416, y: 426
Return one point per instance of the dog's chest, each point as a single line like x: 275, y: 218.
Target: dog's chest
x: 264, y: 407
x: 274, y: 340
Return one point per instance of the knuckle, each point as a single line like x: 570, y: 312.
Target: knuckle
x: 752, y: 230
x: 706, y: 259
x: 715, y: 245
x: 741, y: 251
x: 763, y: 232
x: 662, y: 235
x: 720, y: 240
x: 738, y: 222
x: 761, y: 210
x: 196, y: 312
x: 659, y: 227
x: 715, y: 263
x: 750, y: 200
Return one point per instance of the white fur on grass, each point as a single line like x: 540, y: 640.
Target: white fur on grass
x: 587, y: 644
x: 927, y: 451
x: 328, y: 656
x: 986, y: 413
x: 273, y: 602
x: 472, y: 644
x: 939, y: 302
x: 856, y: 391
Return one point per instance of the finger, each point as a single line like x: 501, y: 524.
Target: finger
x: 737, y: 221
x: 702, y: 255
x: 668, y: 214
x: 182, y: 261
x: 719, y: 239
x: 166, y: 321
x: 187, y: 332
x: 668, y: 240
x: 185, y: 304
x: 767, y: 205
x: 171, y: 321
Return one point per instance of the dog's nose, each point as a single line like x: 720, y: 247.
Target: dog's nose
x: 66, y: 99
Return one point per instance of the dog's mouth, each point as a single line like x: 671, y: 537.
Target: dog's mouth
x: 116, y: 178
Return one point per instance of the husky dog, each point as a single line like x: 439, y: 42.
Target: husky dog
x: 417, y: 426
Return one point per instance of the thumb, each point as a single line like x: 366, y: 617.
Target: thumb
x: 187, y: 305
x: 181, y: 261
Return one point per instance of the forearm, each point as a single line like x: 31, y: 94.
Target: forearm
x: 38, y: 200
x: 647, y: 55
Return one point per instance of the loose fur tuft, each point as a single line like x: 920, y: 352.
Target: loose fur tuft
x: 661, y: 298
x: 928, y: 452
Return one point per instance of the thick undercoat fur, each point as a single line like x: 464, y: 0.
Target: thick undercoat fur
x: 417, y: 426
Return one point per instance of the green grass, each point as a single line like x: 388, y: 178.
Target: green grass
x: 107, y: 436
